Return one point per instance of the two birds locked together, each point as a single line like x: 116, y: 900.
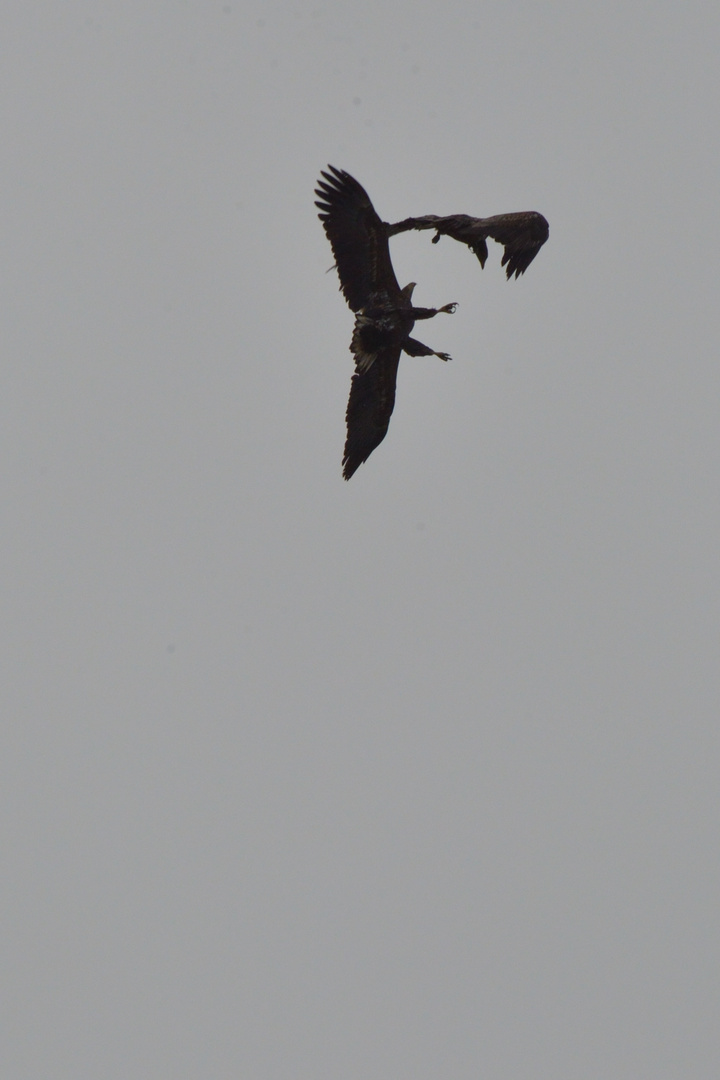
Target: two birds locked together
x: 384, y: 313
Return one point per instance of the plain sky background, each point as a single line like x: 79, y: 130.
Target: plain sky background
x: 415, y: 777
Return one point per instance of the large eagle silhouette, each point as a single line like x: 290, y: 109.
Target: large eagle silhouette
x: 384, y: 313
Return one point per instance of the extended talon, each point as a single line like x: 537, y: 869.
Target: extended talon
x: 444, y: 355
x: 449, y: 308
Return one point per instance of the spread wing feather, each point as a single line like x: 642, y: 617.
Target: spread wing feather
x: 370, y: 406
x: 522, y: 235
x: 358, y: 238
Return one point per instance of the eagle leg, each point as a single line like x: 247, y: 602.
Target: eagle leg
x: 416, y: 348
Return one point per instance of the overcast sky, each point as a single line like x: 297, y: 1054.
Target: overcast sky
x: 408, y: 778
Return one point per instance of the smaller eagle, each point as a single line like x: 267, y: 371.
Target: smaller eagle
x: 384, y: 313
x: 522, y: 235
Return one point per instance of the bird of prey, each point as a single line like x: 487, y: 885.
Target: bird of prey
x: 384, y: 313
x: 522, y: 235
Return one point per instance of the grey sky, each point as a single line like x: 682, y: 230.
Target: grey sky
x: 415, y: 777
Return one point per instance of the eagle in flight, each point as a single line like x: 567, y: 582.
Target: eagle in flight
x: 384, y: 313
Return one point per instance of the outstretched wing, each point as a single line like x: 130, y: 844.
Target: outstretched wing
x: 370, y: 406
x: 522, y: 235
x: 358, y: 237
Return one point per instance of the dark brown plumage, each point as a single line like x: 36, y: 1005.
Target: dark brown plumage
x: 522, y: 235
x: 384, y: 313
